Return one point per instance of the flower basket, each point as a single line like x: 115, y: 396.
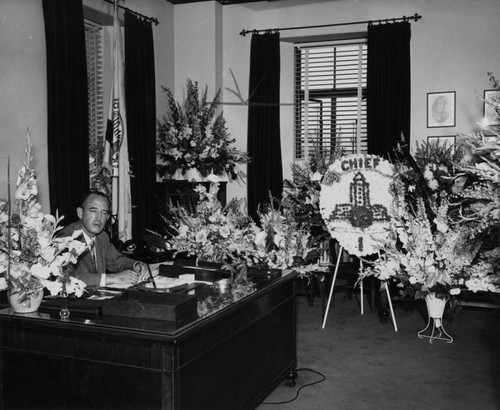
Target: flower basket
x: 193, y: 141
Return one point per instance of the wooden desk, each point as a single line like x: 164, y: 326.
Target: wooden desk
x: 230, y: 360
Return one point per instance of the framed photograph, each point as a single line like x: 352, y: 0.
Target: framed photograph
x: 449, y: 140
x: 441, y: 109
x: 490, y: 116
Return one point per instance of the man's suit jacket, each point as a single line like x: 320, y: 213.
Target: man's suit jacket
x: 108, y: 257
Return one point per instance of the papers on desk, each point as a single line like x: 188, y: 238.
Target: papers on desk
x: 163, y: 282
x: 119, y: 286
x: 102, y: 294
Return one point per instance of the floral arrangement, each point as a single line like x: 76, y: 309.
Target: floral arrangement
x: 478, y: 176
x: 212, y: 232
x: 301, y: 195
x: 227, y: 235
x: 191, y: 136
x: 282, y: 243
x: 31, y: 256
x: 423, y: 259
x: 434, y: 246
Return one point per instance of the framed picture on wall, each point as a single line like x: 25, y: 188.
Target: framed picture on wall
x: 448, y: 140
x: 441, y: 109
x: 491, y: 117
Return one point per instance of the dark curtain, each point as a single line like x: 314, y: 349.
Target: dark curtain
x: 141, y: 119
x: 67, y: 106
x: 265, y: 174
x: 388, y: 84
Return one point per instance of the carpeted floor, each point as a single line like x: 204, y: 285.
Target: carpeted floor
x: 367, y: 365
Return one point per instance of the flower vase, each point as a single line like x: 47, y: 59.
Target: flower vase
x: 64, y: 312
x: 435, y: 329
x: 29, y: 304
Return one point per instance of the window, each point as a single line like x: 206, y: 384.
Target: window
x: 94, y: 43
x: 330, y: 97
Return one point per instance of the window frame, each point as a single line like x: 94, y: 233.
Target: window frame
x: 335, y: 94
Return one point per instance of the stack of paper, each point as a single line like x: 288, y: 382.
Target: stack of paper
x: 163, y: 282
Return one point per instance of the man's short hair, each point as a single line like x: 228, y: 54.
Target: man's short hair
x: 98, y: 193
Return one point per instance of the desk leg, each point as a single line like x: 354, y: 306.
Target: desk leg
x: 290, y: 378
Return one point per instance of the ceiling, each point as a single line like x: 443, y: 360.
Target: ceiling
x: 219, y: 1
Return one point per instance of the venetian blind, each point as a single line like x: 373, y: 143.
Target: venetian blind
x: 94, y: 43
x: 330, y: 97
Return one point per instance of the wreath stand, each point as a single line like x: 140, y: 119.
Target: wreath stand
x: 361, y: 292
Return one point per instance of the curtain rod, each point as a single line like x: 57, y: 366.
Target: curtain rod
x: 415, y: 17
x: 135, y: 13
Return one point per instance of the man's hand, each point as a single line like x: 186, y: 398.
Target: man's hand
x: 128, y: 278
x: 142, y: 269
x: 122, y: 279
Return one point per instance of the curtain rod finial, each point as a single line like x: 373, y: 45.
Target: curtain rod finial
x: 243, y: 33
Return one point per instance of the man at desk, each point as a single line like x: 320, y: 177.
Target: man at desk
x: 102, y: 264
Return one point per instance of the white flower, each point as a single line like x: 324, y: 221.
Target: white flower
x: 48, y: 252
x: 201, y: 236
x: 316, y: 176
x: 483, y: 166
x: 279, y: 240
x: 433, y: 184
x: 41, y: 271
x: 54, y: 287
x: 183, y: 230
x: 260, y: 239
x: 214, y: 178
x: 224, y: 231
x: 77, y: 247
x: 474, y: 285
x: 75, y: 286
x: 441, y: 226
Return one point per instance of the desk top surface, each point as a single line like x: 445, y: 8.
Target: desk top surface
x: 162, y: 311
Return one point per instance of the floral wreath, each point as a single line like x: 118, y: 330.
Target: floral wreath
x: 355, y: 202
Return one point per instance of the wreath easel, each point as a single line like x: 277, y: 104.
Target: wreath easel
x: 355, y: 201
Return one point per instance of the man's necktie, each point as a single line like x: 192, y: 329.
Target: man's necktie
x: 92, y: 252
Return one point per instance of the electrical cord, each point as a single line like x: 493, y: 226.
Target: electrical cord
x: 323, y: 378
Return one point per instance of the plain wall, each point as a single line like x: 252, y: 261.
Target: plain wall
x: 23, y: 90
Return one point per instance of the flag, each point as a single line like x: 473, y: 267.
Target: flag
x: 116, y: 145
